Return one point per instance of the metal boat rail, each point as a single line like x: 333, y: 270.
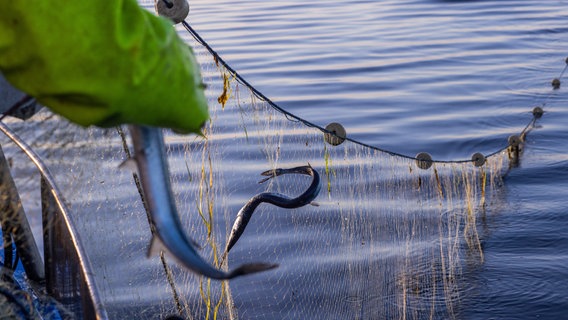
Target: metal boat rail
x: 66, y: 273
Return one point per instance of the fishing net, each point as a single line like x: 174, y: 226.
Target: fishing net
x: 388, y: 236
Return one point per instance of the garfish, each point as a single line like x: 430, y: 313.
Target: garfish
x: 280, y: 200
x: 152, y: 165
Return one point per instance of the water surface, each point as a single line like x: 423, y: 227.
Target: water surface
x: 388, y: 240
x: 447, y: 77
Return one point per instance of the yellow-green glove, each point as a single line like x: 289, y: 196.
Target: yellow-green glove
x: 102, y: 63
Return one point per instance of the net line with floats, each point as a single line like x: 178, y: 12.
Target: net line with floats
x: 335, y: 133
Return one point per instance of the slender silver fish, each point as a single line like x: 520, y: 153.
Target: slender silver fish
x: 154, y: 175
x: 276, y: 199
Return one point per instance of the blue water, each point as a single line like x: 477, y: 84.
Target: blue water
x: 447, y: 77
x: 450, y: 78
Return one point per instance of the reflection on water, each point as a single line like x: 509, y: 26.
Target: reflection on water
x: 388, y: 240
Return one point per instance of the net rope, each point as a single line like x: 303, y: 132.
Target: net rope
x: 292, y: 117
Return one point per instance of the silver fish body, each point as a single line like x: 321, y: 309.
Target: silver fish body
x: 154, y: 176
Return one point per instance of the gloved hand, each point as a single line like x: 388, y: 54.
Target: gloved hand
x: 102, y: 63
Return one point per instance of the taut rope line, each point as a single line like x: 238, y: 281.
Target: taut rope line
x: 537, y: 111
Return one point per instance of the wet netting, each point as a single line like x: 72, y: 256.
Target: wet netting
x: 389, y: 236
